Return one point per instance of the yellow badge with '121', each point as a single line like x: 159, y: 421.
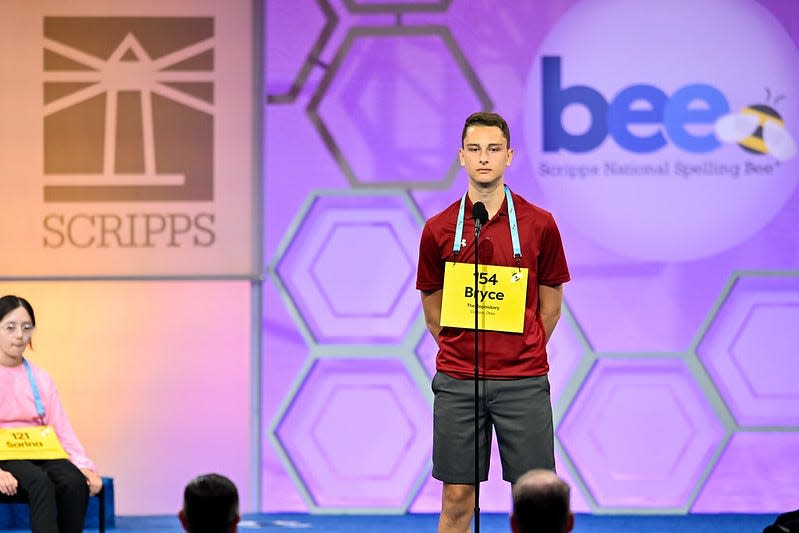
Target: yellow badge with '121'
x: 501, y: 297
x: 30, y: 443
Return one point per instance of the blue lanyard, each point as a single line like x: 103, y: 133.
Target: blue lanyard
x: 36, y: 397
x: 514, y: 228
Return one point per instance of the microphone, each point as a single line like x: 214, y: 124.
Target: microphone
x: 480, y: 215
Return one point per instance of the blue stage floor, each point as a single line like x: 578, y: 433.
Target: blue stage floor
x: 489, y: 523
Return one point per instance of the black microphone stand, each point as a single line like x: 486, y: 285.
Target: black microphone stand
x: 477, y: 227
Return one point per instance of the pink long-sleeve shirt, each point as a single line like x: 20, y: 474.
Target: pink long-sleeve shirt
x: 18, y: 408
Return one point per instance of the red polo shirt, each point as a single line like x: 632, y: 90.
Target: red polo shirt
x: 502, y: 355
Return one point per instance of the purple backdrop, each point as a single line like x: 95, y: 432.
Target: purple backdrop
x: 673, y: 365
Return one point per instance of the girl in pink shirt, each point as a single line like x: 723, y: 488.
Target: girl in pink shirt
x: 57, y: 490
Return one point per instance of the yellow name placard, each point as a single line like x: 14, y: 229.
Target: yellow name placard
x: 34, y: 442
x: 501, y: 296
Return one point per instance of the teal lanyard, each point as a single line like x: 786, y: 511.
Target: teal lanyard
x: 36, y: 397
x: 514, y: 229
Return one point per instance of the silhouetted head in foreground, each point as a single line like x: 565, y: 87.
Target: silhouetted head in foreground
x: 210, y: 505
x: 541, y: 504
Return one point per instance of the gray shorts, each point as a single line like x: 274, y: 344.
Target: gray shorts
x: 520, y: 412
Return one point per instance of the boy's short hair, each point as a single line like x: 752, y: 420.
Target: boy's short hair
x: 210, y: 504
x: 486, y: 118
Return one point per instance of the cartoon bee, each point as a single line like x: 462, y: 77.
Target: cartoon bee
x: 758, y: 129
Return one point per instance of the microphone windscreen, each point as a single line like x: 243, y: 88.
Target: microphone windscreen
x: 480, y: 213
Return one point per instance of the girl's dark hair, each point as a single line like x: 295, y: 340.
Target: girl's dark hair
x: 10, y: 302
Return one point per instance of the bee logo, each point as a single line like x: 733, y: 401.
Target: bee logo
x: 758, y: 129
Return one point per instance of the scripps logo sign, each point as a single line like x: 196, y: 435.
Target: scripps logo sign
x: 651, y: 142
x: 128, y: 121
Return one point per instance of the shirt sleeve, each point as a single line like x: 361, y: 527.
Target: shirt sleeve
x: 430, y: 273
x: 56, y: 416
x: 552, y: 267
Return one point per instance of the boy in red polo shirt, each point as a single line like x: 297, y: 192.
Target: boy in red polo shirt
x: 514, y: 389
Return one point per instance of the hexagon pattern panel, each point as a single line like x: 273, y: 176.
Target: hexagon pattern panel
x: 641, y: 433
x: 672, y: 366
x: 753, y: 475
x: 750, y: 350
x: 292, y: 45
x: 350, y: 267
x: 375, y: 75
x: 358, y: 433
